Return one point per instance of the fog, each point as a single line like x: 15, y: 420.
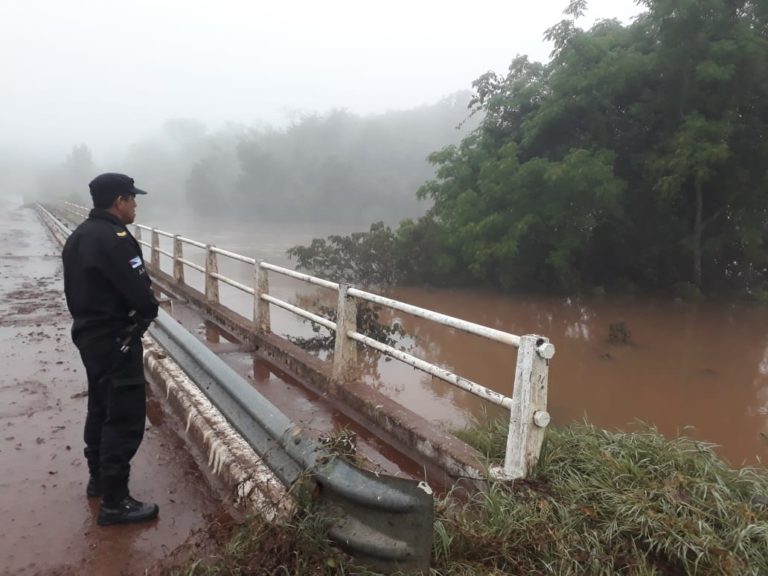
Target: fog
x: 287, y: 106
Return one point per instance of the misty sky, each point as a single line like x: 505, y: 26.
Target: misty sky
x: 102, y: 72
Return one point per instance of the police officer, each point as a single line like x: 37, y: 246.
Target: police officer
x: 110, y: 298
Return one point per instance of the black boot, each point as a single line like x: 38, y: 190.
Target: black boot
x: 127, y: 511
x: 93, y: 490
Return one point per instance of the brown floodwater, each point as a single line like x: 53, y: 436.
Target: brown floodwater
x: 696, y: 369
x: 703, y: 366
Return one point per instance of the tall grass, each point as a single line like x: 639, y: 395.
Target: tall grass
x: 598, y: 503
x: 257, y: 547
x: 604, y: 502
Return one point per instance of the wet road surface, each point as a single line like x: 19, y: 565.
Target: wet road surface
x: 47, y: 525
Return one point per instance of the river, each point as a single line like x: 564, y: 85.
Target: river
x: 699, y: 369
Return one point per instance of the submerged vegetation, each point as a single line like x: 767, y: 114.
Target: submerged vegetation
x: 598, y: 502
x: 338, y: 167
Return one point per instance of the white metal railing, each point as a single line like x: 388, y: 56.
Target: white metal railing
x: 527, y: 404
x: 76, y: 209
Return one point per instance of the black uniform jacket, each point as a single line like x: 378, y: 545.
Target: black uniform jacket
x: 105, y: 279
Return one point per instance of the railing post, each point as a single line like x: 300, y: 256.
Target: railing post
x: 137, y: 235
x: 211, y: 283
x: 345, y: 349
x: 178, y: 265
x: 155, y: 254
x: 261, y: 307
x: 528, y: 416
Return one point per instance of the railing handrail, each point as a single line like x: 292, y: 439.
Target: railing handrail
x: 300, y: 276
x: 444, y: 319
x: 446, y: 375
x: 234, y: 255
x: 155, y: 230
x: 192, y: 242
x: 77, y: 208
x: 437, y: 317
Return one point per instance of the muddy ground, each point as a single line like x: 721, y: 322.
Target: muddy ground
x: 47, y: 525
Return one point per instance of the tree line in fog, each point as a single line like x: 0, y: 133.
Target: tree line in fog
x: 337, y: 167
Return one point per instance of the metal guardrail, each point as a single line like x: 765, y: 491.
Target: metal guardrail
x: 383, y: 521
x: 57, y: 224
x: 527, y: 405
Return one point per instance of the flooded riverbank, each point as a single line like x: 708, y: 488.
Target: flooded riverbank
x: 694, y: 368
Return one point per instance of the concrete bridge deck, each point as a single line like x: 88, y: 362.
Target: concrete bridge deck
x: 48, y: 525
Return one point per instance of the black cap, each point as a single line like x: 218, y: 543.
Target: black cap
x: 108, y: 186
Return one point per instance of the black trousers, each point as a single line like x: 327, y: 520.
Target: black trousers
x: 114, y: 425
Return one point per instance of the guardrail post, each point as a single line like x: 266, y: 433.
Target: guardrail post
x: 178, y: 265
x: 137, y: 234
x: 261, y: 307
x: 528, y: 416
x: 155, y: 254
x: 345, y: 349
x: 211, y: 283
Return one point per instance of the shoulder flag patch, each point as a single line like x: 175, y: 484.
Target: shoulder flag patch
x: 122, y: 234
x: 135, y: 262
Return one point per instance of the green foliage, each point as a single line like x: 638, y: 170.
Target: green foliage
x: 636, y: 156
x: 369, y: 259
x: 539, y: 215
x: 367, y: 323
x: 609, y: 503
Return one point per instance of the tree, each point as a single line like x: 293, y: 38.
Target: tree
x: 341, y: 168
x: 690, y: 158
x: 635, y: 150
x: 69, y: 179
x: 79, y: 165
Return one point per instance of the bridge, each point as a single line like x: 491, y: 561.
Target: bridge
x: 266, y: 413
